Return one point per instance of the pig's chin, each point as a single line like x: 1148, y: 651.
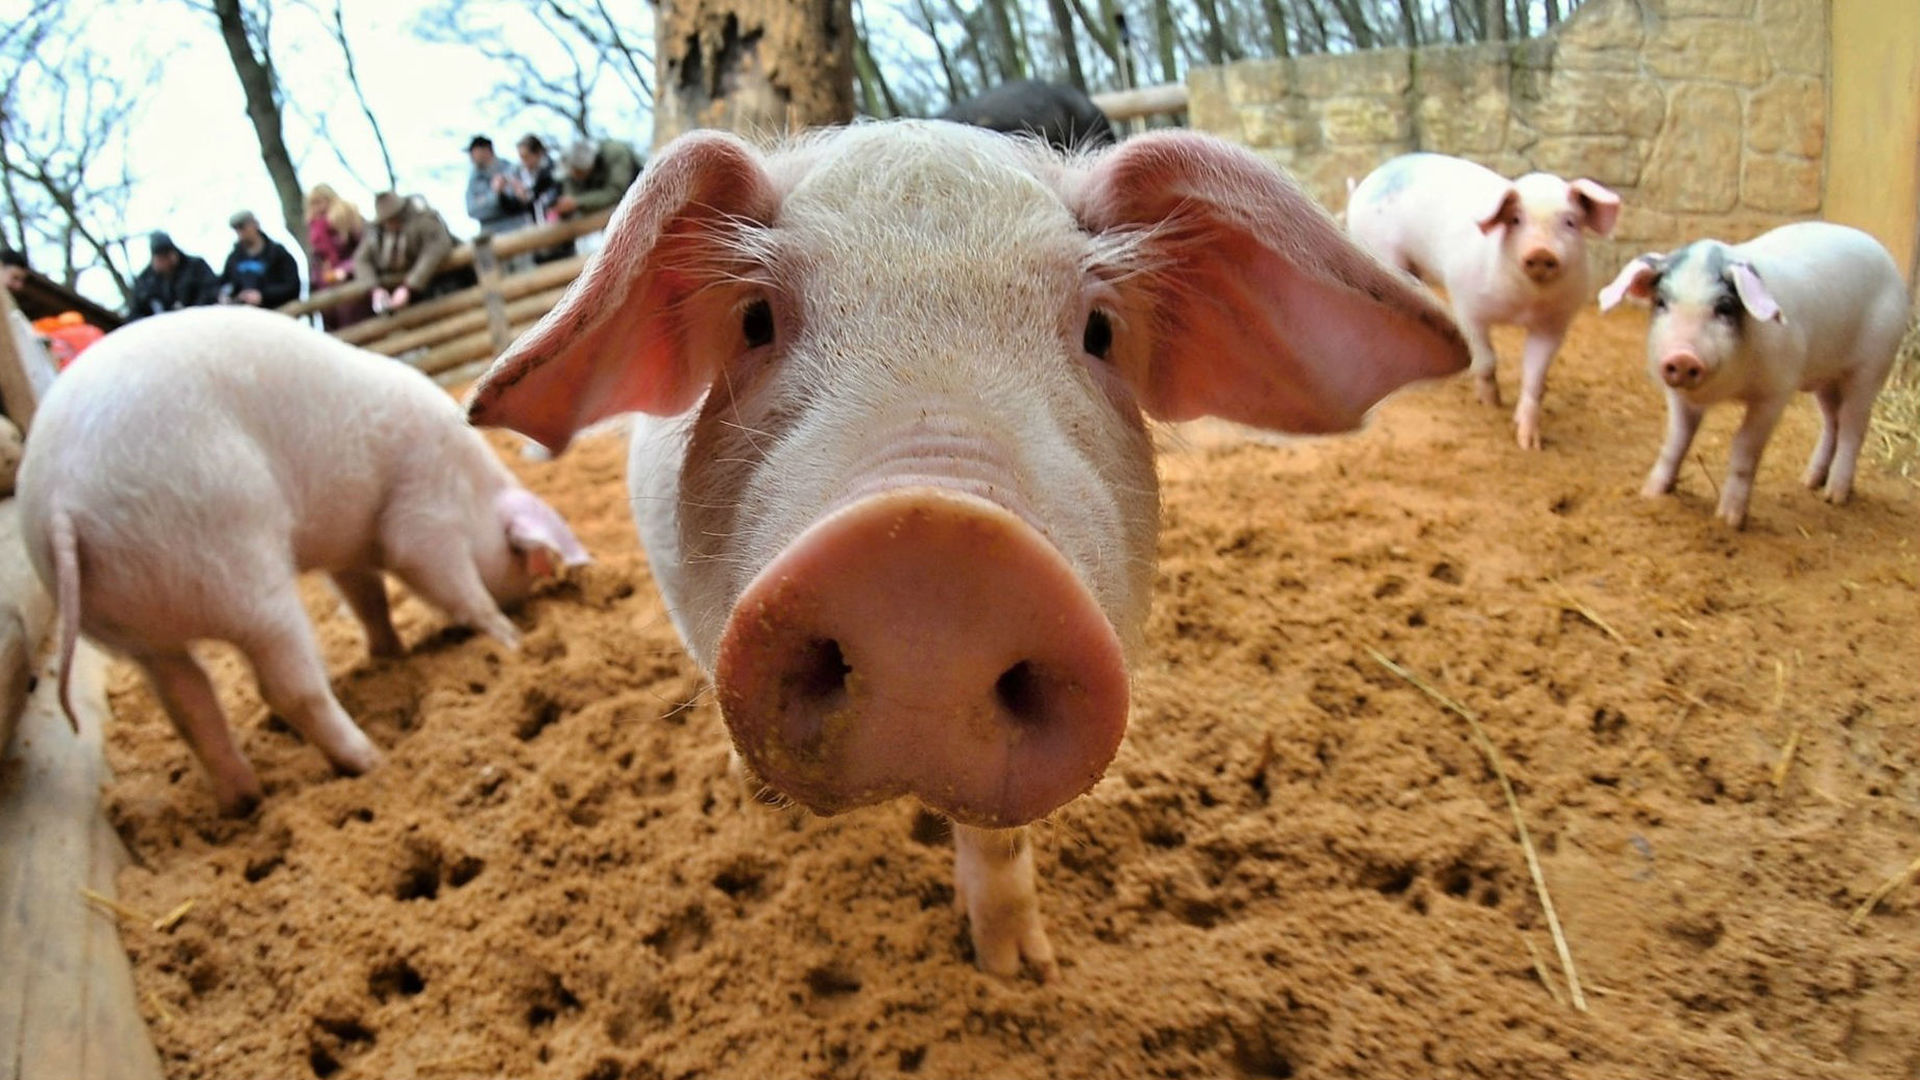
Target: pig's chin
x: 927, y: 642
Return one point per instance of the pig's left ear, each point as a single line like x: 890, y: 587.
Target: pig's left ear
x: 640, y: 328
x: 1600, y: 205
x: 1505, y: 212
x: 1635, y: 279
x: 1246, y: 301
x: 1754, y: 295
x: 536, y: 531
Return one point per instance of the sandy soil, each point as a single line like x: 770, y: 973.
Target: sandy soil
x: 1298, y: 867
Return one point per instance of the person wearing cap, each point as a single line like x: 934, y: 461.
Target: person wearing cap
x: 538, y: 176
x: 597, y: 175
x: 402, y: 251
x: 13, y: 269
x: 259, y: 271
x: 172, y: 280
x: 495, y: 196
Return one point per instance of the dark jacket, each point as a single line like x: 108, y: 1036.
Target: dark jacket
x: 272, y: 271
x: 191, y: 284
x: 614, y: 169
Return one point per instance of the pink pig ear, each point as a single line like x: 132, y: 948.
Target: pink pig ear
x: 1251, y: 305
x: 1754, y: 295
x: 640, y: 328
x: 1506, y: 210
x: 1635, y: 279
x: 535, y: 530
x: 1600, y: 205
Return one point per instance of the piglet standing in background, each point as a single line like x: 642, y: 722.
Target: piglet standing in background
x: 180, y: 479
x: 1507, y: 252
x: 896, y: 487
x: 1813, y: 306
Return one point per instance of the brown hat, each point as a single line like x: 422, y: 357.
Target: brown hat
x: 387, y: 206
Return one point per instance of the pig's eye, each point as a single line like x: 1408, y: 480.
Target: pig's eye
x: 1726, y: 307
x: 756, y: 324
x: 1098, y: 338
x: 1659, y: 302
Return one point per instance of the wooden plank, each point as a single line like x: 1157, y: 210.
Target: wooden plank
x: 513, y: 286
x: 67, y: 1006
x: 20, y: 356
x: 487, y: 267
x: 464, y: 349
x: 518, y: 312
x: 1144, y: 101
x: 26, y: 613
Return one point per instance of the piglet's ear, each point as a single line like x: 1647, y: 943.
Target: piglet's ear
x: 1754, y: 295
x: 1635, y: 279
x: 640, y: 329
x: 1506, y: 211
x: 1599, y: 204
x: 535, y: 530
x: 1243, y: 300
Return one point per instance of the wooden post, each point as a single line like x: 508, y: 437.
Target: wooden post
x: 19, y: 353
x: 488, y: 268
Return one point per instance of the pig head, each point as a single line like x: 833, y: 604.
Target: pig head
x: 916, y: 508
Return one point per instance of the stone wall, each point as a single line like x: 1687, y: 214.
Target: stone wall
x: 1707, y: 116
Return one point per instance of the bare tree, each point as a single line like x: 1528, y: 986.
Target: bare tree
x: 63, y: 155
x: 338, y: 28
x: 247, y: 30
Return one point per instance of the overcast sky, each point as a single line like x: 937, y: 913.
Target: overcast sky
x: 196, y: 158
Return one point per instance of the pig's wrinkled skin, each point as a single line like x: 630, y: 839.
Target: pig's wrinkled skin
x: 182, y: 476
x: 896, y: 487
x: 1507, y: 252
x: 1809, y: 307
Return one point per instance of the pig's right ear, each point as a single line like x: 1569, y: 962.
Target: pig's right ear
x: 639, y: 329
x: 1636, y: 279
x: 1505, y: 212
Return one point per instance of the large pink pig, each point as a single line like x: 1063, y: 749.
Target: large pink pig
x: 1507, y: 252
x: 180, y: 479
x: 1809, y: 307
x: 897, y: 488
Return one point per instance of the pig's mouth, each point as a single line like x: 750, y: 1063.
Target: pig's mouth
x: 927, y: 642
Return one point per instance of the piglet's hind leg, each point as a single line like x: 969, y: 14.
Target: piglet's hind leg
x: 994, y: 886
x: 189, y: 699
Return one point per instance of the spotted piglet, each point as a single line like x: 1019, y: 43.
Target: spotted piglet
x: 1813, y: 306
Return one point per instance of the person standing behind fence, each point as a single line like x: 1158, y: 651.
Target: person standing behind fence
x: 401, y: 254
x: 171, y: 281
x: 259, y: 271
x: 334, y: 231
x: 495, y: 196
x: 597, y: 175
x: 543, y: 189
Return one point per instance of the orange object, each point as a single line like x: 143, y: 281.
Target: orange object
x: 67, y: 336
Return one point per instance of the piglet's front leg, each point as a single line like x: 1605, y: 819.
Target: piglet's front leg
x: 994, y: 888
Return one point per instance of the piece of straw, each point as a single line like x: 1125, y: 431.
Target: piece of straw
x: 1588, y: 613
x: 113, y: 906
x: 1873, y: 898
x: 1540, y: 970
x: 1519, y: 823
x: 172, y: 918
x: 1709, y: 473
x: 1793, y: 737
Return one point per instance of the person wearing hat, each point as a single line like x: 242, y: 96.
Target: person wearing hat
x: 495, y: 196
x: 172, y: 280
x: 259, y: 271
x: 597, y: 175
x: 401, y: 253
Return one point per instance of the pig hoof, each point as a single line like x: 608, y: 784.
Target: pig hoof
x: 1487, y: 391
x: 1528, y: 435
x: 239, y: 804
x: 1837, y: 496
x: 1654, y: 489
x: 1003, y: 939
x: 1736, y: 519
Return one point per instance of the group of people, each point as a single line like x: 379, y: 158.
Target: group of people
x: 401, y: 254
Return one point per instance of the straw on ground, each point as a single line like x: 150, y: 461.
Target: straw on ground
x: 1492, y: 755
x: 1886, y: 888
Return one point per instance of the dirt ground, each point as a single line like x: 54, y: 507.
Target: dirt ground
x: 1299, y: 866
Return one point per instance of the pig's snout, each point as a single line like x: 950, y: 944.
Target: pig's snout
x: 1682, y: 370
x: 1541, y: 265
x: 927, y: 642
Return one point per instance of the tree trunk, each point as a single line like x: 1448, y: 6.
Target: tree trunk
x: 1213, y: 40
x: 956, y: 86
x: 1553, y: 13
x: 1522, y: 25
x: 873, y: 81
x: 1493, y: 20
x: 1410, y: 24
x: 1069, y: 46
x: 1358, y: 29
x: 757, y: 66
x: 1006, y: 49
x: 1276, y: 14
x: 1163, y: 32
x: 262, y: 90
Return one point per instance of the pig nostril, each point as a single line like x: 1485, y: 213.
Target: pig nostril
x: 819, y: 675
x: 1018, y: 690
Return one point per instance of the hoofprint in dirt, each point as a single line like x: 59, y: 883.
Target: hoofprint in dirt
x: 1299, y: 865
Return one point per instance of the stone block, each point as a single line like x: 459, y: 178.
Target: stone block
x: 1795, y: 33
x: 1258, y: 82
x: 1208, y: 108
x: 1324, y: 174
x: 1592, y: 103
x: 1602, y: 26
x: 1272, y: 126
x: 1376, y: 71
x: 1724, y: 9
x: 1733, y: 228
x: 1451, y: 125
x: 1788, y: 116
x: 1613, y: 160
x: 1782, y: 185
x: 1695, y: 161
x: 1647, y: 229
x: 1723, y: 50
x: 1365, y: 120
x: 1464, y: 70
